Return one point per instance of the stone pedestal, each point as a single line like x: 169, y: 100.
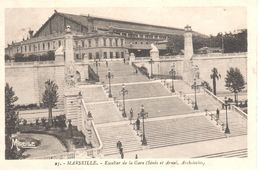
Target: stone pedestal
x: 72, y: 106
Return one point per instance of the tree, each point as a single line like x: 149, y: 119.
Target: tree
x: 214, y: 76
x: 11, y: 121
x: 234, y: 82
x: 50, y: 97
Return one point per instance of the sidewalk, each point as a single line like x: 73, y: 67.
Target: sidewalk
x: 189, y: 150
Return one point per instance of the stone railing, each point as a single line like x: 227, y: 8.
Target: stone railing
x: 92, y: 75
x: 212, y: 95
x: 233, y: 107
x: 12, y: 63
x: 83, y: 152
x: 238, y: 110
x: 243, y: 54
x: 96, y: 138
x: 175, y: 57
x: 142, y: 58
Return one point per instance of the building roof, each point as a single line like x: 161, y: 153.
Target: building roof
x: 118, y: 24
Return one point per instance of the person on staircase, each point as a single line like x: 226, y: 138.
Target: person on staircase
x: 217, y: 115
x: 131, y: 116
x: 137, y: 126
x: 119, y: 145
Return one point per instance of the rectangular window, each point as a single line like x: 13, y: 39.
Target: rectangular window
x: 89, y: 56
x: 83, y: 44
x: 105, y: 54
x: 39, y: 47
x: 30, y: 47
x: 25, y: 48
x: 59, y: 43
x: 53, y: 44
x: 97, y: 55
x: 117, y: 54
x: 111, y: 54
x: 43, y: 46
x: 122, y: 54
x: 48, y: 45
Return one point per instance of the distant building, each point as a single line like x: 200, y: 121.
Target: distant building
x: 95, y: 37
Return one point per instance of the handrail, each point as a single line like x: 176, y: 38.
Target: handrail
x: 237, y: 109
x: 214, y: 96
x: 92, y: 74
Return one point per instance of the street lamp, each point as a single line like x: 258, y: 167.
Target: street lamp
x: 151, y: 62
x: 123, y: 92
x: 195, y: 89
x: 227, y: 131
x: 172, y: 72
x: 109, y: 76
x: 143, y: 115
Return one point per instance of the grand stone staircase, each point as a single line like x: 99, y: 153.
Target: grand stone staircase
x: 180, y: 131
x: 110, y: 136
x: 123, y: 73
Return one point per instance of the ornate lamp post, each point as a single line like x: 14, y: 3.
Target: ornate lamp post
x: 151, y: 62
x: 123, y: 92
x: 109, y: 76
x: 172, y: 73
x: 195, y: 89
x: 227, y: 131
x: 143, y: 115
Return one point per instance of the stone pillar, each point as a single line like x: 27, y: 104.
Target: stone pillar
x: 131, y: 58
x: 154, y: 55
x: 59, y: 55
x: 188, y: 53
x: 188, y: 45
x: 71, y: 92
x: 69, y: 46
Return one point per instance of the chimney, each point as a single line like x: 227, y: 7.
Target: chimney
x: 30, y: 33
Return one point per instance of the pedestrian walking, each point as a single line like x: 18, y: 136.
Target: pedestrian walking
x: 131, y: 115
x: 124, y: 60
x: 119, y: 144
x: 136, y: 71
x: 136, y: 156
x: 217, y: 114
x: 137, y: 126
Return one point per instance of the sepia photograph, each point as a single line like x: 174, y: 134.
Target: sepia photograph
x: 119, y: 83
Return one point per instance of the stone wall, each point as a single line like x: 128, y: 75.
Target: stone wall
x: 206, y: 63
x: 28, y: 80
x: 222, y: 62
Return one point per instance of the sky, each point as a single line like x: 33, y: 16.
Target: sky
x: 206, y: 20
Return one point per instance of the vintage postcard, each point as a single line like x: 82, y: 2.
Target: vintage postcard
x: 116, y: 85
